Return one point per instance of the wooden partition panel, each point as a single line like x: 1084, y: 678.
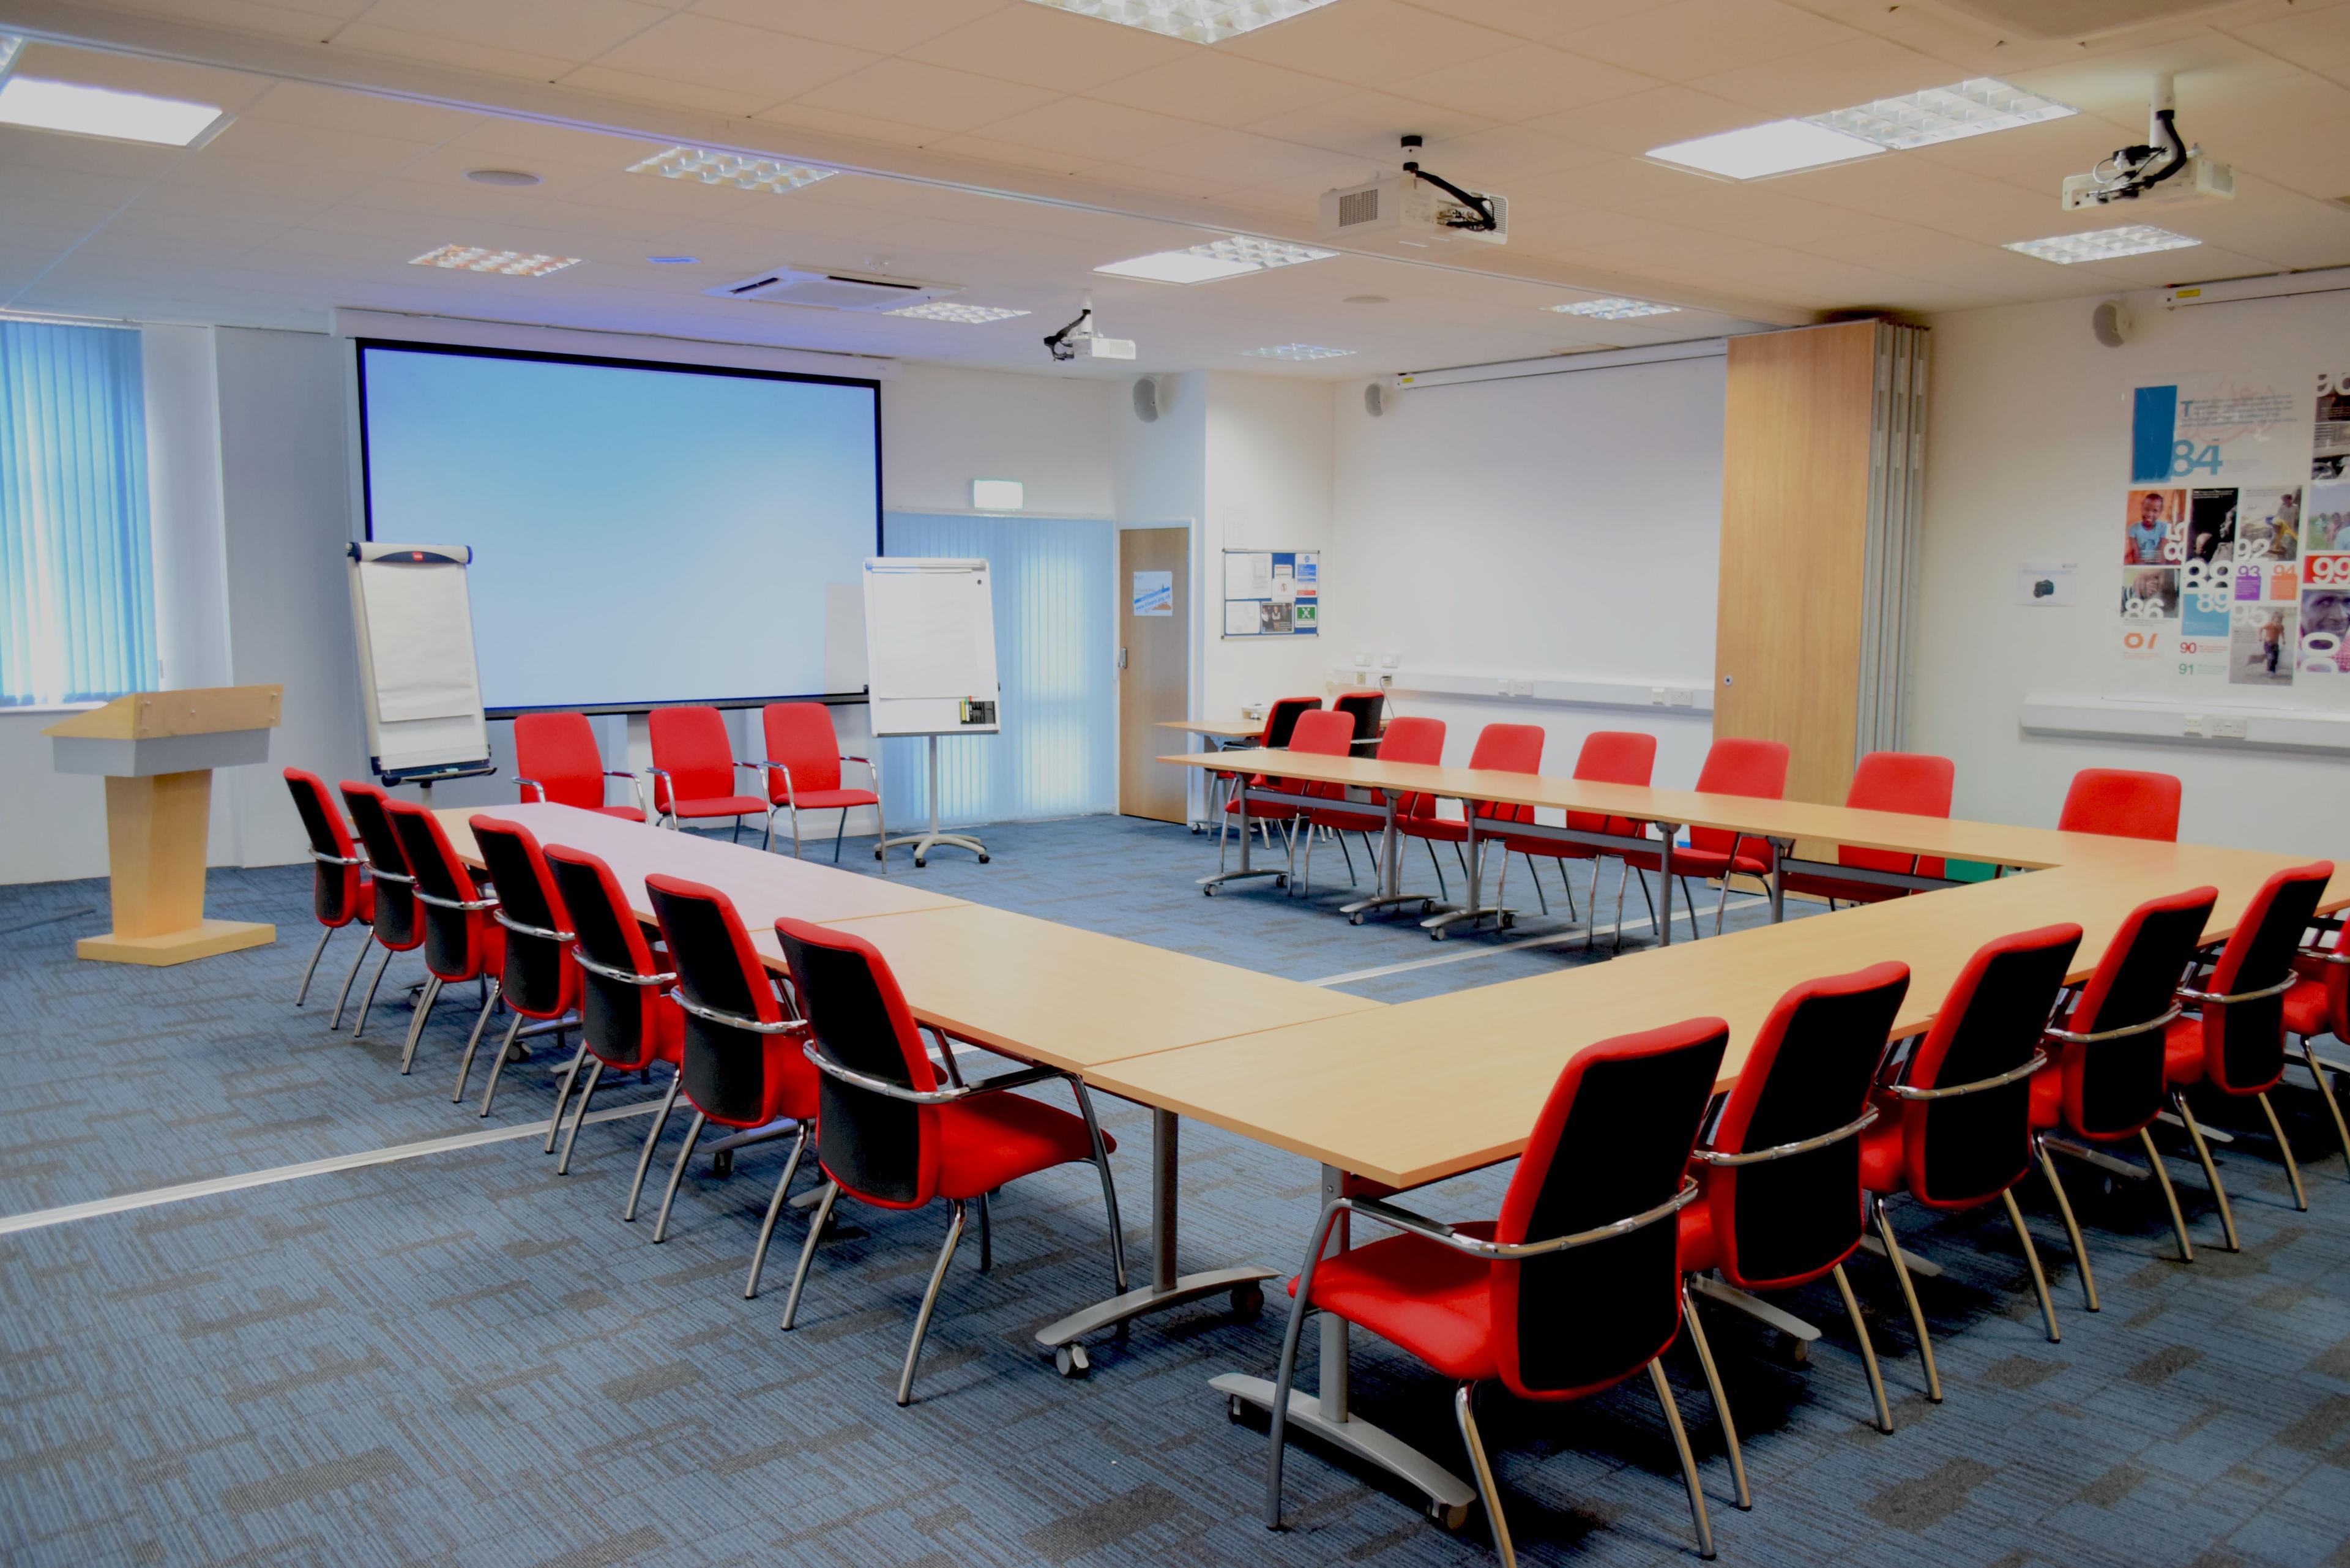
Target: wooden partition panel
x: 1795, y: 535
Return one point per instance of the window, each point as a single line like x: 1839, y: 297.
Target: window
x: 76, y: 578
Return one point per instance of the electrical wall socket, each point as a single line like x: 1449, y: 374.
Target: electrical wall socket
x: 2193, y: 725
x: 1390, y: 661
x: 1656, y: 696
x: 1386, y: 681
x: 2229, y: 729
x: 1683, y: 698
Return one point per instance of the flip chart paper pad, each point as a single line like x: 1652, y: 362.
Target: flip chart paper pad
x: 930, y: 632
x: 420, y: 640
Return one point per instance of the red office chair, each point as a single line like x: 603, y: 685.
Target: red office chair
x: 740, y: 1064
x: 394, y: 918
x: 1320, y: 732
x: 1416, y: 741
x: 2319, y: 1004
x: 1280, y: 724
x: 555, y: 760
x: 1573, y: 1290
x: 340, y: 889
x: 1780, y: 1201
x: 888, y: 1133
x: 804, y: 759
x: 462, y: 943
x: 627, y: 1022
x: 1605, y: 756
x: 694, y: 770
x: 2233, y: 1038
x: 1499, y: 748
x: 1756, y: 769
x: 2122, y: 803
x: 2106, y: 1081
x: 1366, y: 709
x: 1884, y: 781
x: 1956, y: 1128
x: 537, y: 980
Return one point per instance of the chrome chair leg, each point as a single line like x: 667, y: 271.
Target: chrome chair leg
x: 986, y: 1236
x: 1534, y: 875
x: 465, y: 1066
x: 1720, y: 1400
x: 652, y: 1137
x: 930, y: 1303
x: 320, y: 950
x: 2169, y: 1195
x: 816, y: 1222
x: 1908, y: 1294
x: 1285, y: 1377
x: 1689, y: 1458
x: 1349, y: 854
x: 2325, y: 1093
x: 2032, y: 1256
x: 2210, y: 1171
x: 1867, y: 1350
x: 2072, y: 1226
x: 563, y: 1095
x: 579, y: 1117
x: 676, y: 1175
x: 358, y: 1024
x: 775, y: 1207
x: 1108, y: 1186
x: 1442, y: 892
x: 838, y: 834
x: 1465, y: 1416
x: 416, y: 1025
x: 2291, y: 1166
x: 358, y: 960
x: 1566, y: 883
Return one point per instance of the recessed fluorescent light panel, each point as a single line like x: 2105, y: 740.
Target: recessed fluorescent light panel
x: 81, y: 111
x: 2104, y: 245
x: 513, y: 264
x: 1972, y: 107
x: 10, y: 47
x: 1778, y: 147
x: 1613, y: 309
x: 1297, y: 351
x: 1216, y: 259
x: 1193, y: 21
x: 947, y: 310
x: 708, y: 168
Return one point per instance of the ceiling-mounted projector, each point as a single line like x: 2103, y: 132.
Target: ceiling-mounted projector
x: 1414, y: 208
x: 2166, y: 170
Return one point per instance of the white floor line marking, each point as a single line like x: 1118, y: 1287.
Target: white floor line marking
x: 1572, y: 935
x: 41, y: 1219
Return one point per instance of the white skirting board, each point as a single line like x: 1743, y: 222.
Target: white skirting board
x: 2265, y: 728
x: 1683, y: 699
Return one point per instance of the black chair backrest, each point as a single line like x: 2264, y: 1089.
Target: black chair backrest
x: 725, y: 1067
x: 533, y: 977
x: 1282, y: 721
x: 334, y: 889
x: 1809, y: 1072
x: 2114, y: 1087
x: 395, y: 904
x: 2244, y: 1040
x: 872, y: 1143
x: 1966, y: 1148
x: 616, y: 1018
x: 449, y: 935
x: 1365, y: 708
x: 1613, y: 1142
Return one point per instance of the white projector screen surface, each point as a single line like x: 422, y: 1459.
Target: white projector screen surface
x: 641, y: 533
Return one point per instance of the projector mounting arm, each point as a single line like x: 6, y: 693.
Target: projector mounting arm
x: 1485, y: 220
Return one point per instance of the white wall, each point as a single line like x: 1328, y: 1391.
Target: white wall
x: 2028, y: 430
x: 1562, y: 527
x: 1267, y: 469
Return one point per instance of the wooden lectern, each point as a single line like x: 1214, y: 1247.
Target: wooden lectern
x: 158, y: 750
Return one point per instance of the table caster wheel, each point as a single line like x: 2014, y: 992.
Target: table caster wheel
x: 983, y: 860
x: 919, y: 863
x: 1069, y: 1361
x: 722, y: 1164
x: 1206, y: 892
x: 1448, y: 1517
x: 1800, y: 1352
x: 1437, y: 935
x: 1236, y: 1410
x: 1248, y: 1302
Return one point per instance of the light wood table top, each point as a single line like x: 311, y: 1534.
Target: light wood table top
x: 1995, y: 843
x: 1221, y: 729
x: 764, y: 886
x: 1427, y: 1089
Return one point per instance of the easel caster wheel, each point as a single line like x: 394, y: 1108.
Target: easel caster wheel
x: 722, y: 1164
x: 1800, y: 1352
x: 1248, y: 1302
x: 983, y: 860
x: 1448, y: 1517
x: 1234, y: 1410
x: 1353, y: 920
x: 1069, y: 1361
x: 1206, y: 892
x: 919, y: 863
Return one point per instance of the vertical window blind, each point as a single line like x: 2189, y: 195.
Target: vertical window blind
x: 1053, y: 581
x: 77, y: 576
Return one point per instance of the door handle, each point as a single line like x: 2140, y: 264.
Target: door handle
x: 1121, y: 659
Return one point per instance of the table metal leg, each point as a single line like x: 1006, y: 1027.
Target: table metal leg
x: 1207, y: 885
x: 1779, y: 849
x: 1167, y: 1288
x: 1390, y: 881
x: 1325, y: 1413
x: 1665, y: 862
x: 1476, y: 909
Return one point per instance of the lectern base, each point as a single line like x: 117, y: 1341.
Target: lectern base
x: 197, y: 942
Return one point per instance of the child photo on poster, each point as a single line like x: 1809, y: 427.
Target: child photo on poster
x: 2211, y: 525
x: 2260, y: 645
x: 2155, y: 532
x: 2150, y: 593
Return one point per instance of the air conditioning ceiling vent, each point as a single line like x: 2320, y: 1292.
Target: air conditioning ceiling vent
x: 832, y: 290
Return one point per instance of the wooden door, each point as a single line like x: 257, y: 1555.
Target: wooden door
x: 1154, y: 643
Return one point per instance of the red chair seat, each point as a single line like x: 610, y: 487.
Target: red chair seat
x: 831, y: 799
x: 2182, y: 1051
x: 2305, y: 1009
x: 1429, y: 1299
x: 1832, y: 887
x: 363, y: 909
x: 721, y: 806
x: 986, y: 1142
x: 625, y: 813
x: 1691, y: 861
x: 2048, y: 1094
x: 1881, y: 1148
x: 1264, y: 807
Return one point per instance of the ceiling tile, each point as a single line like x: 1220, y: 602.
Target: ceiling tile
x: 917, y: 94
x: 1143, y: 177
x: 834, y: 123
x: 643, y: 88
x: 1050, y: 48
x: 275, y: 141
x: 751, y: 61
x: 299, y: 103
x: 1503, y: 155
x: 1234, y: 158
x: 1091, y: 131
x: 576, y: 30
x: 310, y: 25
x: 1052, y: 157
x: 232, y: 90
x: 1368, y: 125
x: 361, y: 38
x: 1604, y: 182
x: 1525, y: 81
x: 1762, y: 214
x: 1643, y: 119
x: 1691, y: 39
x: 2319, y: 40
x: 1373, y: 41
x: 1854, y: 71
x: 1223, y: 89
x: 1534, y: 18
x: 885, y: 26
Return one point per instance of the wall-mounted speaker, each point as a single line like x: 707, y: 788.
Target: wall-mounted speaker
x: 1375, y: 399
x: 1145, y: 399
x: 2111, y: 323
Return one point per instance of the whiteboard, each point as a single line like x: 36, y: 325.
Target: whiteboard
x: 929, y: 647
x: 418, y: 682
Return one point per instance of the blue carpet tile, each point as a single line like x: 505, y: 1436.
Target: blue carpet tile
x: 464, y: 1358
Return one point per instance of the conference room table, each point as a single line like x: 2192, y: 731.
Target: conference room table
x: 1056, y: 995
x: 1215, y: 735
x: 1424, y: 1090
x: 1781, y: 824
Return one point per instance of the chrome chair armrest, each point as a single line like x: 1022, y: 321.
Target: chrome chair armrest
x: 2322, y: 955
x: 1952, y: 1091
x: 2093, y: 1037
x: 469, y: 905
x: 626, y: 977
x: 635, y: 785
x: 666, y: 782
x: 1781, y: 1150
x: 521, y: 782
x: 542, y: 932
x: 2279, y: 989
x: 325, y: 859
x: 1446, y: 1236
x: 1019, y: 1080
x: 383, y: 875
x: 773, y: 767
x: 736, y: 1021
